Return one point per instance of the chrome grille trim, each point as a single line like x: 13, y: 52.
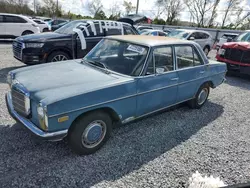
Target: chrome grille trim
x: 17, y: 49
x: 20, y: 100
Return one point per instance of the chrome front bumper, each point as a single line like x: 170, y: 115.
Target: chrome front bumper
x: 52, y: 136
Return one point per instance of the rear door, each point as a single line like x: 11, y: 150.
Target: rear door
x: 191, y: 71
x: 14, y: 25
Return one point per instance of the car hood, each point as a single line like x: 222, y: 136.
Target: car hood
x: 53, y: 82
x: 43, y: 37
x: 238, y: 45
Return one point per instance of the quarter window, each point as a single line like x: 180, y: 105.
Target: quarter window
x: 1, y: 19
x: 187, y: 57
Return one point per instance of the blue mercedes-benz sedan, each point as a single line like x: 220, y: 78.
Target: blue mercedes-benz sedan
x: 122, y: 79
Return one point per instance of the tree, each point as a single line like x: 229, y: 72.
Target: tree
x: 199, y: 10
x: 115, y: 11
x: 171, y: 8
x: 128, y: 7
x: 94, y: 7
x: 51, y: 9
x: 100, y: 15
x: 159, y: 21
x: 231, y: 5
x: 214, y: 13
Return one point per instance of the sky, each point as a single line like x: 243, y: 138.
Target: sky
x: 146, y: 7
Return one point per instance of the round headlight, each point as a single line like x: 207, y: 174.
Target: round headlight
x: 40, y: 111
x: 10, y: 78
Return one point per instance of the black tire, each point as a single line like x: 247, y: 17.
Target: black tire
x: 195, y: 103
x: 27, y: 33
x: 45, y: 30
x: 54, y: 55
x: 206, y: 50
x: 81, y: 127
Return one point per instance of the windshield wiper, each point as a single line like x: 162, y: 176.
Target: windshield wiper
x: 97, y: 63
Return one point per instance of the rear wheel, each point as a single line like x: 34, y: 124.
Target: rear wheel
x: 45, y: 30
x: 27, y: 33
x: 58, y: 56
x: 89, y: 133
x: 200, y: 97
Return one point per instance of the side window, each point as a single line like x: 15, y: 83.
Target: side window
x: 161, y: 34
x: 14, y: 19
x: 113, y: 32
x: 187, y: 57
x: 91, y: 33
x: 1, y: 19
x: 128, y: 31
x: 163, y: 59
x: 154, y: 33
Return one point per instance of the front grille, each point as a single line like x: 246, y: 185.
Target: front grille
x: 237, y: 55
x: 20, y: 101
x: 17, y: 49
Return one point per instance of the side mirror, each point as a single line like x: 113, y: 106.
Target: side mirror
x: 191, y: 38
x: 229, y: 39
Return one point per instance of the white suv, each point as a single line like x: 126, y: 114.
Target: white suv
x: 13, y: 25
x: 203, y: 38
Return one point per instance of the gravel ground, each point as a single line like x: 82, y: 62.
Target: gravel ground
x: 159, y: 151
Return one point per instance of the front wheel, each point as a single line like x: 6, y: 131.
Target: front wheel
x: 27, y: 33
x: 90, y: 132
x: 200, y: 97
x: 58, y: 56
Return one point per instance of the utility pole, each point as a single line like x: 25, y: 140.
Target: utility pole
x: 137, y: 6
x: 35, y: 6
x: 56, y: 8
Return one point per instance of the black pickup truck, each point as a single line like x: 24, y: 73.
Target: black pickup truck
x: 73, y: 40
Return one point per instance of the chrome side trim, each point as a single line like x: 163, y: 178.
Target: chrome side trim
x: 29, y: 125
x: 134, y: 118
x: 157, y: 89
x: 129, y: 96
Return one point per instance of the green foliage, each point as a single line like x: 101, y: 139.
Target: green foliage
x: 159, y: 21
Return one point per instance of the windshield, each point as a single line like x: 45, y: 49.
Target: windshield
x: 122, y: 57
x: 243, y: 37
x: 68, y: 28
x: 178, y: 34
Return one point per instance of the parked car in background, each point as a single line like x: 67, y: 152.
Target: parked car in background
x: 155, y: 33
x: 44, y: 27
x: 84, y: 99
x: 236, y: 54
x: 55, y: 27
x: 65, y: 43
x: 227, y: 37
x: 57, y: 23
x: 14, y: 25
x: 203, y: 38
x: 140, y: 28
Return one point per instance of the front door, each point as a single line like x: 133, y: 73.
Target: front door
x: 191, y: 71
x: 158, y: 88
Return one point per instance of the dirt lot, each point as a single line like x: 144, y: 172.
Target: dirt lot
x: 159, y: 151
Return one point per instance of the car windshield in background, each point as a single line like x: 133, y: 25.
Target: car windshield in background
x: 68, y: 28
x: 122, y: 57
x: 243, y: 37
x: 178, y: 34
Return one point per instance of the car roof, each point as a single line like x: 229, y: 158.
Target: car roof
x: 149, y: 40
x: 192, y: 30
x: 230, y: 34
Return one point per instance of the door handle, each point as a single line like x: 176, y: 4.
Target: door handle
x: 202, y: 72
x: 174, y: 79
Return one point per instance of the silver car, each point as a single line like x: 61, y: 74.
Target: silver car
x: 203, y: 38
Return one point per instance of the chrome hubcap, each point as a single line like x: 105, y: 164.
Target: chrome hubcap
x: 59, y: 58
x: 94, y: 134
x: 202, y: 96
